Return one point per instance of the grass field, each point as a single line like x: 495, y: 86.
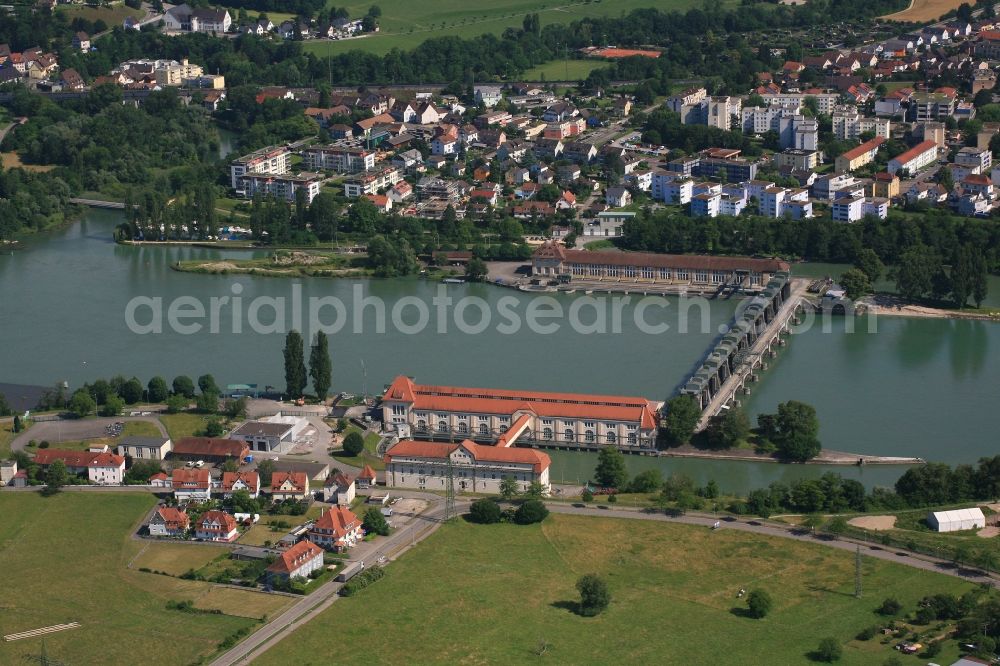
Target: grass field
x: 183, y: 424
x: 13, y: 161
x: 924, y: 10
x: 140, y: 429
x: 563, y: 70
x: 6, y: 437
x: 368, y: 456
x: 491, y: 594
x: 64, y: 560
x: 405, y: 24
x: 111, y: 15
x: 176, y: 558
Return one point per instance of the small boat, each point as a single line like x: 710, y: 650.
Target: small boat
x: 453, y: 281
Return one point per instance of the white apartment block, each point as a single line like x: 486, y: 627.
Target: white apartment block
x: 706, y: 204
x: 921, y: 155
x: 848, y: 123
x: 975, y: 157
x: 835, y: 185
x: 825, y: 102
x: 672, y: 188
x: 372, y: 181
x: 173, y: 73
x: 689, y: 97
x: 283, y: 186
x: 341, y: 159
x: 782, y: 202
x: 712, y: 111
x: 271, y: 160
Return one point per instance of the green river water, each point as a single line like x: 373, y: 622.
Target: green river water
x: 915, y: 388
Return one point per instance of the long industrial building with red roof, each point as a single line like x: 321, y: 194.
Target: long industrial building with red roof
x: 498, y: 416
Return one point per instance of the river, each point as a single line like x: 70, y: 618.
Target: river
x: 917, y: 387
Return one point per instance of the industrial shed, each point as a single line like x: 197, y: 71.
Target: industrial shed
x: 954, y: 521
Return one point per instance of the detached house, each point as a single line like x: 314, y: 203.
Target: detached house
x: 216, y: 526
x: 339, y: 489
x: 366, y: 479
x: 191, y: 484
x: 235, y: 481
x: 101, y: 467
x: 618, y: 197
x: 168, y: 522
x: 338, y: 529
x: 298, y: 561
x: 289, y: 485
x: 81, y: 41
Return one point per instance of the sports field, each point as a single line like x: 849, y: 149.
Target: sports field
x: 924, y: 10
x: 405, y: 24
x: 494, y: 594
x: 564, y: 70
x: 64, y: 559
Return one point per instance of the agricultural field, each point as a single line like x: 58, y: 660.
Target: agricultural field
x: 921, y: 11
x: 406, y: 24
x: 509, y: 591
x: 65, y: 558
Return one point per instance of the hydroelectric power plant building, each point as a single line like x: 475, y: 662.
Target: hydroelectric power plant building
x: 699, y: 271
x: 501, y: 417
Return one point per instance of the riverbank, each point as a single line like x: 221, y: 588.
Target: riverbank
x: 887, y: 305
x: 825, y: 457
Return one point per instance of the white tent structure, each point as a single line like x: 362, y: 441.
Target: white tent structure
x: 959, y: 519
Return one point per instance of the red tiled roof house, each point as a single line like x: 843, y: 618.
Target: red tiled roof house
x: 298, y: 561
x: 289, y: 485
x: 167, y: 521
x: 338, y: 529
x: 216, y: 526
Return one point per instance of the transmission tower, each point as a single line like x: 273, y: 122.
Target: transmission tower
x: 449, y: 496
x: 857, y: 572
x: 42, y: 658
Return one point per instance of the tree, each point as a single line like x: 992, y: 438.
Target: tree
x: 206, y: 384
x: 320, y: 366
x: 132, y: 391
x: 728, y: 429
x: 610, y: 471
x: 856, y: 283
x: 230, y: 465
x: 532, y: 511
x: 475, y: 270
x: 682, y: 417
x: 485, y: 511
x: 889, y: 607
x: 158, y: 389
x: 214, y: 427
x: 236, y: 409
x: 295, y: 365
x: 535, y: 490
x: 594, y: 595
x: 81, y: 404
x: 208, y: 403
x: 759, y: 604
x: 113, y: 406
x: 915, y: 273
x: 183, y: 386
x: 56, y: 476
x: 646, y: 481
x: 265, y: 468
x: 177, y: 404
x: 868, y: 263
x: 798, y: 428
x: 829, y: 650
x: 375, y: 523
x: 508, y: 487
x: 16, y: 426
x: 354, y: 443
x: 5, y: 409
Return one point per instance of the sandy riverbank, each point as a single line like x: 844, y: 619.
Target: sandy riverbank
x: 883, y: 305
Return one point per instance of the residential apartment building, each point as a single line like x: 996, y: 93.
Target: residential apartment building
x: 372, y: 181
x: 705, y: 205
x: 271, y: 160
x: 173, y: 73
x: 936, y: 105
x: 825, y: 102
x: 783, y: 202
x: 805, y: 160
x: 849, y: 123
x: 834, y: 185
x: 689, y: 97
x: 859, y: 156
x: 852, y: 208
x: 672, y: 188
x: 712, y: 111
x: 913, y: 160
x: 475, y: 468
x: 284, y: 186
x: 885, y: 185
x: 497, y: 415
x: 977, y: 158
x: 342, y: 159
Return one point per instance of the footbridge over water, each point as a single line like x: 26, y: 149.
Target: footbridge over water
x: 752, y: 338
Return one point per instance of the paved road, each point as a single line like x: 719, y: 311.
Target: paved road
x: 419, y: 528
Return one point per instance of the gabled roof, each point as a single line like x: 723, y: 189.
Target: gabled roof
x: 299, y: 481
x: 209, y: 446
x: 172, y: 518
x: 340, y: 520
x: 251, y: 479
x: 191, y: 479
x: 226, y: 522
x: 367, y: 473
x: 478, y: 452
x: 293, y: 558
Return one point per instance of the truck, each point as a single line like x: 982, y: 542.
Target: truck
x: 350, y: 571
